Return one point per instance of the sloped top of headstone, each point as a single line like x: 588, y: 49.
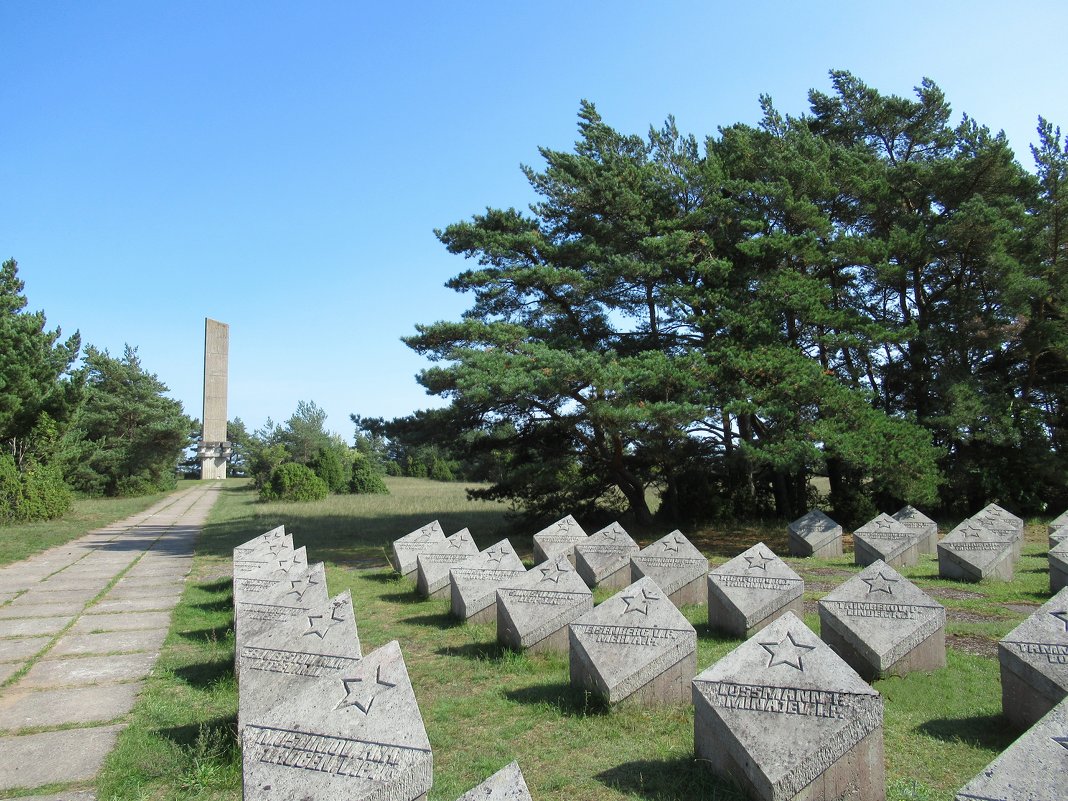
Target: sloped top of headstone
x: 477, y: 579
x: 1058, y: 522
x: 540, y: 602
x: 992, y: 510
x: 910, y: 514
x: 1060, y: 550
x: 604, y: 550
x: 674, y: 546
x: 327, y: 627
x: 249, y: 559
x: 408, y: 547
x: 557, y: 576
x: 436, y: 562
x: 1041, y: 642
x: 885, y: 535
x: 631, y: 632
x: 290, y: 598
x: 816, y: 528
x: 355, y: 735
x: 672, y: 561
x: 882, y: 613
x: 755, y: 581
x: 560, y: 537
x: 266, y: 578
x: 267, y: 538
x: 507, y: 784
x: 791, y: 703
x: 1030, y: 769
x: 499, y: 556
x: 974, y: 543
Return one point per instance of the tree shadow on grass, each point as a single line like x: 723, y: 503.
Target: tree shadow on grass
x: 384, y: 577
x: 205, y: 674
x: 992, y: 732
x: 668, y: 780
x: 213, y: 635
x: 562, y: 697
x: 442, y: 620
x: 221, y: 605
x: 225, y: 729
x: 479, y: 651
x: 406, y: 598
x: 216, y: 586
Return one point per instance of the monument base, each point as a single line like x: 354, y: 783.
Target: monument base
x: 731, y: 621
x: 690, y: 594
x: 672, y: 686
x: 1021, y: 703
x: 927, y: 656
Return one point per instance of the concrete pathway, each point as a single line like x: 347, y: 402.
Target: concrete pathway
x: 80, y: 628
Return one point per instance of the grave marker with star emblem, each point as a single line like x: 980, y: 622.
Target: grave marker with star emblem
x: 355, y: 734
x: 884, y: 539
x: 257, y: 615
x: 972, y: 552
x: 433, y: 565
x: 635, y: 647
x: 884, y: 625
x: 677, y: 567
x: 507, y: 784
x: 1058, y: 567
x: 406, y: 549
x: 1001, y: 521
x: 256, y: 553
x: 473, y: 585
x: 261, y: 582
x: 534, y: 608
x: 559, y: 539
x: 814, y: 534
x: 603, y: 560
x: 752, y: 590
x: 1034, y: 663
x: 783, y: 717
x: 923, y: 527
x: 1057, y: 530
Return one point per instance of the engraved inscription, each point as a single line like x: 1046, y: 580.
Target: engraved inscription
x: 666, y: 561
x: 1056, y: 654
x: 754, y: 582
x: 781, y: 700
x: 294, y: 662
x: 540, y: 597
x: 630, y: 635
x: 338, y: 756
x: 268, y: 613
x: 976, y: 546
x: 889, y: 611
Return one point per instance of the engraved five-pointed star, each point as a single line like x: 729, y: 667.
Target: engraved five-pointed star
x: 563, y: 526
x: 758, y: 561
x: 553, y: 572
x: 1063, y: 617
x: 786, y: 652
x: 320, y: 627
x: 973, y: 530
x: 673, y: 544
x: 458, y: 540
x: 496, y: 555
x: 276, y: 548
x: 612, y: 534
x: 880, y: 583
x: 301, y: 586
x: 287, y: 564
x: 1061, y: 741
x: 361, y: 693
x: 639, y: 602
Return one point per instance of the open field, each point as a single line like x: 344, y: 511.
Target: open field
x: 483, y: 706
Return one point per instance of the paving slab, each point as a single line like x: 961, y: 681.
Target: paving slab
x: 33, y: 626
x: 146, y: 583
x: 83, y: 753
x: 156, y: 589
x: 89, y: 624
x: 13, y: 611
x: 19, y: 650
x: 87, y: 670
x: 9, y: 669
x: 157, y: 604
x: 109, y: 642
x: 69, y: 795
x: 25, y: 709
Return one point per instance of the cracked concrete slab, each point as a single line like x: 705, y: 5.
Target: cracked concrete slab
x: 83, y: 753
x: 87, y: 670
x: 26, y: 709
x: 109, y: 642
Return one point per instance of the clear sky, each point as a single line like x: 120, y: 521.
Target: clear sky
x: 281, y: 167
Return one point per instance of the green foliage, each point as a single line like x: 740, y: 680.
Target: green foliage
x: 294, y: 482
x: 38, y: 493
x: 331, y: 464
x: 365, y: 479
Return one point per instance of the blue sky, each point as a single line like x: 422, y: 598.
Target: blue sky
x: 282, y: 166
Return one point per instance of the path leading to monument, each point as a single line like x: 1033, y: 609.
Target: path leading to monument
x: 80, y: 628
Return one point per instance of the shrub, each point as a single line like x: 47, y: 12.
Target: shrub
x: 294, y: 482
x: 441, y: 471
x: 329, y: 466
x: 39, y: 493
x: 365, y: 479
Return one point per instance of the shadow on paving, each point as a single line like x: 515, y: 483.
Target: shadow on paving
x: 668, y: 780
x: 991, y: 732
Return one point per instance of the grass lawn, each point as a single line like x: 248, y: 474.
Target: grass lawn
x: 484, y: 706
x: 22, y: 541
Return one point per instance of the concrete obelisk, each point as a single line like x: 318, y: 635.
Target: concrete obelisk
x: 214, y: 448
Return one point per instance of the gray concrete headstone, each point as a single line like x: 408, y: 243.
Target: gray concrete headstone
x: 882, y: 624
x: 603, y: 560
x: 507, y: 784
x: 884, y: 539
x: 1034, y: 768
x: 434, y: 564
x: 752, y: 590
x: 263, y: 581
x: 784, y: 717
x: 271, y: 537
x: 636, y: 646
x: 1001, y: 521
x: 815, y: 534
x: 289, y: 599
x: 1058, y: 522
x: 677, y: 567
x: 972, y: 552
x: 1058, y: 567
x: 473, y: 585
x: 1058, y: 535
x: 406, y: 549
x: 925, y: 529
x: 1034, y: 663
x: 534, y: 608
x: 559, y: 539
x: 356, y: 734
x: 257, y: 553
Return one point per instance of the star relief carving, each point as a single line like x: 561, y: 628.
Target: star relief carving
x: 639, y: 602
x: 973, y: 530
x: 276, y: 548
x: 361, y: 693
x: 496, y: 555
x: 299, y: 587
x: 319, y: 626
x: 554, y: 572
x: 1061, y: 741
x: 758, y: 561
x: 880, y: 583
x: 1063, y: 617
x: 673, y: 544
x: 787, y: 652
x: 458, y: 540
x: 290, y: 562
x: 564, y: 526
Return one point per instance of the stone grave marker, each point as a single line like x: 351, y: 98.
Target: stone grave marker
x: 507, y: 784
x: 1003, y: 522
x: 1034, y: 768
x: 260, y: 582
x: 784, y: 717
x: 603, y: 560
x: 636, y: 647
x: 1058, y: 567
x: 534, y: 608
x: 677, y: 567
x: 923, y: 527
x: 258, y: 552
x: 322, y: 642
x: 815, y: 534
x: 433, y: 565
x: 1034, y: 663
x: 406, y: 550
x: 474, y: 584
x: 559, y: 539
x: 271, y: 537
x: 972, y: 552
x: 883, y: 539
x: 290, y: 599
x: 884, y: 625
x: 1058, y: 529
x: 355, y: 734
x: 751, y: 590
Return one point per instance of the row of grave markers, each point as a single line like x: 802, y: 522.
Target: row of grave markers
x: 317, y: 718
x: 784, y: 684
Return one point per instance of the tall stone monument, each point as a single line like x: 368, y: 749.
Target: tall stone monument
x: 214, y: 449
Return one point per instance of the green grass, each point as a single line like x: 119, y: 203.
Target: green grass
x: 22, y: 541
x: 484, y: 706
